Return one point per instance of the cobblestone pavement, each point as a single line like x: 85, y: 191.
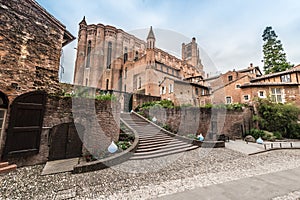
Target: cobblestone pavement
x: 196, y: 168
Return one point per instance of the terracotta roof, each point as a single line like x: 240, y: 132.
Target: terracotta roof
x: 183, y: 82
x: 222, y: 86
x: 294, y: 69
x: 268, y: 84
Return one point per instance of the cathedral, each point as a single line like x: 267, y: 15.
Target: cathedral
x: 112, y: 59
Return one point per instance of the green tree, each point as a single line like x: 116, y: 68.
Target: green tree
x: 276, y: 117
x: 274, y: 56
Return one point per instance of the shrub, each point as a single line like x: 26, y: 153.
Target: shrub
x: 276, y: 117
x: 234, y: 106
x: 256, y: 133
x: 106, y: 97
x: 191, y: 136
x: 123, y: 144
x: 167, y: 127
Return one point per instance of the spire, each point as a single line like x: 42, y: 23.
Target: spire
x: 151, y: 39
x: 83, y: 22
x: 151, y: 34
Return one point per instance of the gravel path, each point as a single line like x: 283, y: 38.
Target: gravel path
x: 147, y: 179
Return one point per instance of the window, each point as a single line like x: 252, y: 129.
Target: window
x: 197, y: 91
x: 246, y: 97
x: 125, y: 75
x: 88, y: 59
x: 125, y: 88
x: 162, y: 90
x: 125, y: 54
x: 136, y: 56
x: 86, y: 82
x: 238, y: 86
x: 171, y: 89
x: 228, y: 100
x: 261, y: 94
x: 107, y: 84
x: 109, y: 51
x: 286, y: 78
x: 203, y: 92
x: 230, y: 78
x: 140, y: 82
x: 276, y: 95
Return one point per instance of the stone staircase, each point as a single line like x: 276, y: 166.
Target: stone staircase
x: 6, y: 167
x: 153, y: 142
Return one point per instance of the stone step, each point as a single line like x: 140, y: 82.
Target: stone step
x: 150, y: 134
x: 141, y: 146
x: 152, y: 141
x: 3, y: 164
x: 156, y: 143
x: 8, y: 168
x: 156, y: 140
x: 150, y: 156
x: 167, y: 149
x: 154, y: 136
x: 148, y: 149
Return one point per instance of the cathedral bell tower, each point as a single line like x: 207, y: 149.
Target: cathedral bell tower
x: 150, y: 48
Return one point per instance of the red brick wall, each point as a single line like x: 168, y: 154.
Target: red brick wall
x: 192, y: 120
x: 99, y: 131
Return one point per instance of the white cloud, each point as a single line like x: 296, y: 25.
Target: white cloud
x: 228, y: 31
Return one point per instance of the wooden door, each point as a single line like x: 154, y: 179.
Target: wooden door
x: 65, y: 141
x: 25, y: 124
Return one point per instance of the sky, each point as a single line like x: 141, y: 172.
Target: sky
x: 228, y: 32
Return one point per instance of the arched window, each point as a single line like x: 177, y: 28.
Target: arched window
x: 136, y: 57
x: 109, y: 51
x: 86, y: 82
x: 140, y: 82
x: 125, y: 75
x: 107, y: 84
x: 88, y: 58
x: 125, y: 54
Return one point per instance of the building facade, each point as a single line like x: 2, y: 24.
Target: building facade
x: 111, y: 59
x: 281, y: 87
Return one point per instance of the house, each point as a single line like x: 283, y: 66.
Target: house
x: 185, y: 92
x: 30, y: 51
x: 226, y: 88
x: 281, y: 87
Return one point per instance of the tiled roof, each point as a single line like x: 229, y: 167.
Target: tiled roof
x: 268, y: 84
x: 294, y: 69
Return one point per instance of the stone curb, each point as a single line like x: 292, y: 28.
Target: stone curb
x: 273, y: 149
x: 111, y: 161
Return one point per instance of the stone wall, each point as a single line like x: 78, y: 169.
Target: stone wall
x: 139, y: 99
x: 30, y: 48
x: 191, y: 120
x: 101, y: 120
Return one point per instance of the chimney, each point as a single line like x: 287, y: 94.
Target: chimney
x: 251, y: 64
